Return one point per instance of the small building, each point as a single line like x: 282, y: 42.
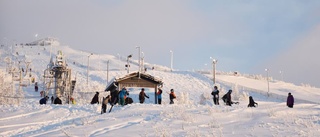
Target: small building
x: 135, y: 79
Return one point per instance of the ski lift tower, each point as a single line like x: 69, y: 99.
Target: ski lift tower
x: 57, y: 79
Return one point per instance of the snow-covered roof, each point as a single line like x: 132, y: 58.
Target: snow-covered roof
x: 144, y: 76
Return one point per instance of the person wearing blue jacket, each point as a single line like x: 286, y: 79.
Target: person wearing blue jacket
x: 159, y: 93
x: 122, y: 95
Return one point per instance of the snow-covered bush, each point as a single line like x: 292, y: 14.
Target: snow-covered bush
x: 204, y: 98
x: 306, y: 85
x: 239, y: 95
x: 184, y: 98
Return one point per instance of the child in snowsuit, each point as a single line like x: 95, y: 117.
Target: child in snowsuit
x: 251, y: 102
x: 215, y: 94
x: 172, y: 96
x: 142, y: 96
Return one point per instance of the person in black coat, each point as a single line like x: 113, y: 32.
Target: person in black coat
x: 290, y: 101
x: 95, y: 98
x: 57, y: 100
x: 227, y: 98
x: 44, y: 100
x: 251, y: 102
x: 114, y: 97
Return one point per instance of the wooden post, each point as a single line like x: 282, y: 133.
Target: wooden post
x: 155, y: 95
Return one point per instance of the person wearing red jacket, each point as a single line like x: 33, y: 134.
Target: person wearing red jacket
x: 172, y: 96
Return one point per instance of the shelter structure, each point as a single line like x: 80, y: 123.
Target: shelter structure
x: 135, y: 79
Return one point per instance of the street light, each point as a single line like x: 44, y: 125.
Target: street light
x: 214, y: 62
x: 142, y: 62
x: 139, y: 53
x: 267, y: 70
x: 108, y: 72
x: 36, y: 37
x: 128, y: 66
x: 171, y: 60
x: 281, y: 74
x: 88, y: 68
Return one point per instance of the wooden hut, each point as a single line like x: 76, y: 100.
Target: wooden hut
x: 135, y: 79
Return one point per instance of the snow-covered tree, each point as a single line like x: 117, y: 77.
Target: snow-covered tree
x: 6, y: 89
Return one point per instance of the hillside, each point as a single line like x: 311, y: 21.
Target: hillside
x: 193, y: 113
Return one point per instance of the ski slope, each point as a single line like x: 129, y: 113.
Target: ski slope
x: 193, y: 113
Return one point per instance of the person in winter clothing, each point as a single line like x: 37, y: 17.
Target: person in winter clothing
x: 52, y: 99
x: 290, y: 100
x: 57, y: 101
x: 114, y: 97
x: 172, y: 96
x: 251, y: 102
x: 105, y: 101
x: 215, y: 94
x: 36, y: 87
x: 159, y: 93
x: 73, y: 101
x: 122, y: 95
x: 128, y: 100
x: 142, y: 96
x: 44, y: 100
x: 95, y: 98
x: 227, y: 98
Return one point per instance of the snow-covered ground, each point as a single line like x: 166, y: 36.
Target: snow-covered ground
x: 193, y: 113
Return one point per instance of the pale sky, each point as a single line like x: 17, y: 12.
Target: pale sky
x: 246, y: 36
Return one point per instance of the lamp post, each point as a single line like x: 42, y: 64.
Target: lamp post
x: 142, y: 62
x: 281, y: 74
x: 214, y: 62
x: 88, y: 68
x: 36, y: 36
x: 267, y: 70
x: 108, y: 72
x: 171, y: 66
x: 139, y: 53
x: 128, y: 65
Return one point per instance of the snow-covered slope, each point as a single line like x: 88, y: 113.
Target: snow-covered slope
x: 193, y: 113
